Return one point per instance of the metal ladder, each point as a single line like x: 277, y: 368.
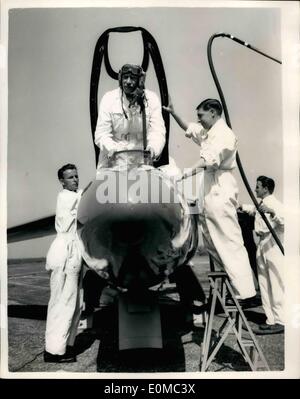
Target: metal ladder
x: 235, y: 319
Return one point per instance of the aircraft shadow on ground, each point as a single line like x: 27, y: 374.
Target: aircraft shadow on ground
x: 33, y: 312
x: 110, y: 359
x: 170, y: 358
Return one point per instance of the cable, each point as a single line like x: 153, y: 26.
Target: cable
x: 222, y: 98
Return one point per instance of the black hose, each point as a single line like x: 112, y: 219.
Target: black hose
x: 222, y: 98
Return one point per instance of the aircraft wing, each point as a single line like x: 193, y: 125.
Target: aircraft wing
x: 36, y: 229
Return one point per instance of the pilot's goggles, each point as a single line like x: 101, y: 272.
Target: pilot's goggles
x: 132, y: 69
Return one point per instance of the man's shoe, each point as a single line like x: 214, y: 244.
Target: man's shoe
x: 65, y: 358
x: 244, y: 303
x: 270, y: 329
x: 265, y: 326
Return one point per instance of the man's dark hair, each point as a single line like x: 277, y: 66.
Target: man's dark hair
x: 267, y: 182
x: 60, y: 172
x: 211, y: 103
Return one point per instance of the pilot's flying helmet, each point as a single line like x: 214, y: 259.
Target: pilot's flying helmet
x: 135, y: 70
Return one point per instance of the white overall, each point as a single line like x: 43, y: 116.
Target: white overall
x: 270, y: 261
x: 64, y: 263
x: 222, y: 234
x: 115, y: 132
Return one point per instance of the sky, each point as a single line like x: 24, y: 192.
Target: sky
x: 50, y: 52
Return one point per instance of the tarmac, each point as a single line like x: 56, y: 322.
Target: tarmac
x: 97, y: 347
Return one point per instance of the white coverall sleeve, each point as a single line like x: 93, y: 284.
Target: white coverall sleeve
x: 66, y: 214
x: 218, y: 150
x: 278, y: 218
x: 104, y: 130
x: 194, y: 131
x: 156, y: 135
x: 248, y: 208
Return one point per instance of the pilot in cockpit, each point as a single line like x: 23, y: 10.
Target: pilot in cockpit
x: 120, y: 123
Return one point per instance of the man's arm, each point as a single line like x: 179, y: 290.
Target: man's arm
x: 213, y: 154
x: 196, y: 168
x: 192, y: 130
x: 104, y: 130
x: 266, y: 209
x: 170, y: 108
x: 275, y: 210
x: 248, y: 208
x: 66, y: 212
x: 156, y: 135
x: 220, y: 148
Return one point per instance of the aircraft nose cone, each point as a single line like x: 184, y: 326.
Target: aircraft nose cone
x: 130, y: 233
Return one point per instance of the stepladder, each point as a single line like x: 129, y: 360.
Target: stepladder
x: 235, y: 323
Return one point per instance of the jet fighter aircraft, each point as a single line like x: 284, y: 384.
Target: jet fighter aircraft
x: 134, y: 241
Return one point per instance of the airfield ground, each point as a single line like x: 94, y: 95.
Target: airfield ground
x: 97, y: 348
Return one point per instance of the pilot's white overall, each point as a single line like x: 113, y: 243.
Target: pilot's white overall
x: 64, y: 262
x: 221, y: 231
x: 115, y: 132
x: 270, y: 260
